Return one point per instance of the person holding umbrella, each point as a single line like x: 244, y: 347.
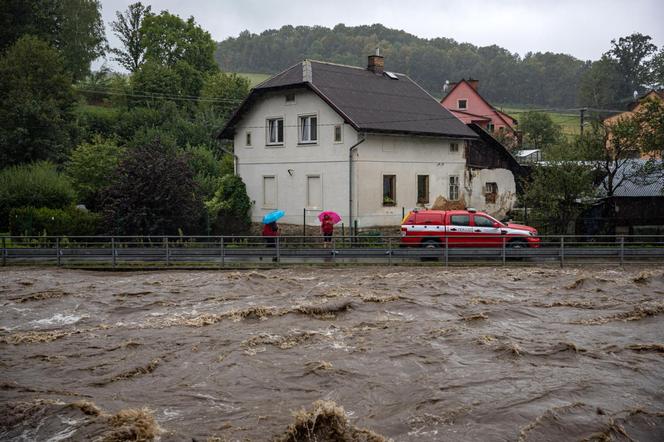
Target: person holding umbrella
x: 270, y: 228
x: 327, y: 220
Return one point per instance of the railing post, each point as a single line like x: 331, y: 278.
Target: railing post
x: 389, y: 251
x: 334, y: 250
x: 504, y: 247
x: 113, y: 250
x: 562, y: 251
x: 278, y: 250
x: 447, y: 251
x: 168, y: 252
x: 57, y: 249
x: 223, y: 253
x: 622, y: 251
x: 4, y: 251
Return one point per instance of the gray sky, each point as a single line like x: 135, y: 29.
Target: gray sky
x: 582, y: 28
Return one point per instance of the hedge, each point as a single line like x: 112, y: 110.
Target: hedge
x: 31, y: 221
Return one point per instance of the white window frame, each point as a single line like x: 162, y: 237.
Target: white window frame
x: 265, y: 205
x: 454, y: 147
x: 300, y: 129
x: 490, y: 127
x: 465, y: 100
x: 453, y: 188
x: 320, y: 178
x: 341, y: 133
x: 268, y: 123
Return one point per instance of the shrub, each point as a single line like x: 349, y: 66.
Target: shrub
x: 36, y: 185
x: 152, y: 192
x: 230, y: 208
x: 91, y: 166
x: 31, y: 221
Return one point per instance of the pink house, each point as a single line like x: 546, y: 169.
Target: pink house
x: 467, y: 104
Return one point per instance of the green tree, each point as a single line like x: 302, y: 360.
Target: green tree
x: 169, y: 39
x: 36, y: 103
x: 603, y: 85
x: 230, y: 208
x: 127, y: 27
x: 539, y: 130
x: 152, y: 192
x: 657, y: 70
x: 154, y: 82
x: 208, y: 169
x: 223, y: 92
x: 557, y: 192
x: 74, y: 27
x: 91, y: 167
x: 35, y: 185
x: 632, y: 53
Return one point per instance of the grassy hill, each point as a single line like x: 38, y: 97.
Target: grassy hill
x: 254, y: 79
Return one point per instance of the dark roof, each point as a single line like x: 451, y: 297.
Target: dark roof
x: 367, y: 101
x: 492, y: 153
x: 638, y: 181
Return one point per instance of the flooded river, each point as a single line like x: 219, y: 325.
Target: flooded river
x: 367, y: 354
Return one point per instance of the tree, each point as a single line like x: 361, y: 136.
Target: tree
x: 539, y: 130
x: 230, y: 208
x: 169, y: 39
x: 657, y: 71
x: 34, y: 185
x: 127, y: 27
x: 74, y: 27
x: 152, y: 192
x: 556, y: 192
x: 603, y: 85
x: 36, y: 103
x: 91, y: 167
x: 223, y: 92
x: 632, y: 53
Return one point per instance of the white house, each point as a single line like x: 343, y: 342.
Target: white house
x: 365, y: 143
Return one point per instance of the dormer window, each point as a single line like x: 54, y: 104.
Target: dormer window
x: 462, y: 104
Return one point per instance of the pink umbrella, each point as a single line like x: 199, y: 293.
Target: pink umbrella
x: 334, y: 216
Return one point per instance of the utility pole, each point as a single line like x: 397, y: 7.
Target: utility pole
x: 582, y: 111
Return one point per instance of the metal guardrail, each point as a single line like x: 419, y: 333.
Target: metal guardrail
x: 228, y: 251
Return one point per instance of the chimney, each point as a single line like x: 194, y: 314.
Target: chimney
x: 376, y: 63
x: 473, y: 83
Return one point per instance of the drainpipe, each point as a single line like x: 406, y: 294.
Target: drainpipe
x: 350, y: 183
x: 235, y: 159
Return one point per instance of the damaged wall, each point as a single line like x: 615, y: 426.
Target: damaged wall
x: 491, y: 190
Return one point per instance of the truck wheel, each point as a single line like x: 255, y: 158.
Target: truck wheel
x: 430, y: 244
x: 518, y: 244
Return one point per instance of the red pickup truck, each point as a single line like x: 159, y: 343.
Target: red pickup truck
x: 463, y: 228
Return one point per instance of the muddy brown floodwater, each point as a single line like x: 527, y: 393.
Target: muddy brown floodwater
x: 370, y: 353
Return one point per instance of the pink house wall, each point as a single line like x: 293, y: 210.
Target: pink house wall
x: 482, y: 112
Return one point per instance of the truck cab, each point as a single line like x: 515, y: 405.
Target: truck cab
x: 463, y: 228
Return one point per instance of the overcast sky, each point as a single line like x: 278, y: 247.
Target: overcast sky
x: 582, y: 28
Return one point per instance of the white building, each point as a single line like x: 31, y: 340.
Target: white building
x: 307, y: 136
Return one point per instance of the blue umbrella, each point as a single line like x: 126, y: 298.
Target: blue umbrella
x: 273, y: 216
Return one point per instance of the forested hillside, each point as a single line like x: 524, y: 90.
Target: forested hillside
x: 544, y: 79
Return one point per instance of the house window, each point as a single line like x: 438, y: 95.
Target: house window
x: 314, y: 192
x: 422, y: 189
x: 248, y: 139
x: 462, y: 104
x: 454, y: 147
x: 389, y: 190
x: 454, y: 188
x: 337, y: 133
x: 270, y: 192
x: 490, y: 127
x: 308, y: 129
x: 490, y: 193
x: 290, y: 98
x: 275, y: 131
